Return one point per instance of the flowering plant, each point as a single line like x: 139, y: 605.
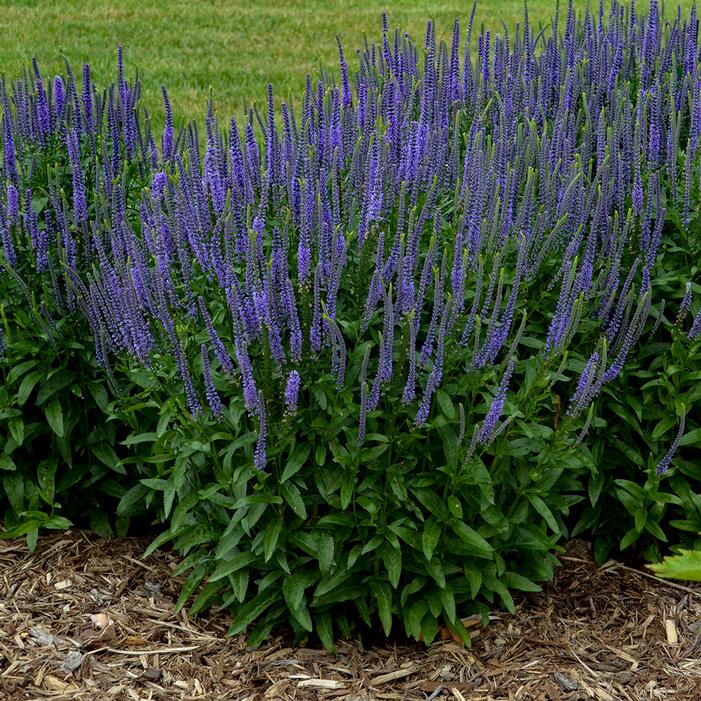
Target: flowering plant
x: 357, y: 359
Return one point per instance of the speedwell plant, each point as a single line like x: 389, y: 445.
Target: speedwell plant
x: 354, y: 364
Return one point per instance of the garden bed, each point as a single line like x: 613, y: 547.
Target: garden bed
x: 87, y: 618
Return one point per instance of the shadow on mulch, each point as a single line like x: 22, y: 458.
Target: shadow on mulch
x: 85, y: 618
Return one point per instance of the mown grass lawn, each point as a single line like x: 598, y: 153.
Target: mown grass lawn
x: 232, y: 47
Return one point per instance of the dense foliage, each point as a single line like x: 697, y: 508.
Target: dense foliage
x: 378, y: 362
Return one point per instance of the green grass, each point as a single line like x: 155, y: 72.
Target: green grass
x: 232, y: 47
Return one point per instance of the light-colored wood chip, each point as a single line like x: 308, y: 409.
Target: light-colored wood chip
x: 671, y: 632
x: 55, y: 684
x: 321, y: 684
x: 392, y: 676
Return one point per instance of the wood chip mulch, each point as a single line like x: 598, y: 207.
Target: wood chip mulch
x: 85, y: 618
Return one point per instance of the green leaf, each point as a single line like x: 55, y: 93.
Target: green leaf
x: 473, y: 575
x: 131, y: 502
x: 13, y: 484
x: 684, y: 565
x: 191, y: 583
x: 383, y: 596
x: 53, y: 385
x: 46, y: 471
x: 100, y: 523
x: 137, y: 438
x: 320, y: 397
x: 299, y: 456
x: 594, y: 487
x: 505, y: 596
x: 18, y: 370
x: 324, y: 629
x: 293, y: 589
x: 270, y: 538
x: 54, y: 415
x: 32, y: 537
x: 477, y: 474
x: 238, y: 562
x: 472, y: 539
x: 7, y: 463
x: 513, y: 580
x: 163, y: 421
x: 692, y: 437
x: 231, y: 536
x: 99, y: 395
x: 431, y: 502
x: 168, y: 497
x: 654, y: 528
x: 354, y: 554
x: 448, y: 601
x: 348, y: 488
x: 635, y: 490
x: 303, y: 617
x: 325, y: 551
x: 58, y: 523
x: 372, y: 544
x: 262, y: 499
x: 369, y: 455
x: 455, y: 507
x: 290, y: 493
x: 320, y: 455
x: 27, y: 385
x: 239, y: 583
x: 628, y: 500
x: 253, y: 609
x: 663, y: 426
x: 16, y: 427
x: 542, y: 508
x: 414, y: 617
x: 393, y: 563
x: 429, y: 628
x: 435, y: 569
x: 460, y: 632
x: 334, y: 581
x: 206, y: 597
x: 446, y: 404
x: 340, y: 520
x: 629, y: 538
x: 347, y: 592
x: 105, y: 454
x: 430, y: 537
x: 435, y: 605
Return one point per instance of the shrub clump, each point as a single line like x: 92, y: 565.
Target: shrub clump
x: 354, y: 351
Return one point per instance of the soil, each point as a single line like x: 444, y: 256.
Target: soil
x: 86, y: 618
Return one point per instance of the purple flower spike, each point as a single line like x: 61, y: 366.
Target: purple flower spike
x: 59, y: 97
x: 12, y: 204
x: 292, y: 391
x: 666, y: 461
x: 87, y: 99
x: 168, y: 130
x: 585, y: 389
x: 489, y: 425
x: 695, y: 330
x: 260, y: 457
x: 158, y: 186
x: 80, y: 207
x: 686, y: 302
x: 210, y: 392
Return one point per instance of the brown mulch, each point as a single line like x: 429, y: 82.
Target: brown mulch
x: 85, y: 618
